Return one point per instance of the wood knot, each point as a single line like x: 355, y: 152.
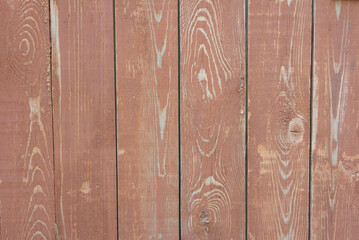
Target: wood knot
x: 240, y: 90
x: 295, y: 131
x: 204, y: 221
x: 350, y: 166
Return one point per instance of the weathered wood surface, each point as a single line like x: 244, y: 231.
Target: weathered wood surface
x: 212, y: 119
x: 335, y: 153
x: 58, y: 113
x: 26, y: 156
x: 147, y: 127
x: 84, y: 119
x: 279, y: 56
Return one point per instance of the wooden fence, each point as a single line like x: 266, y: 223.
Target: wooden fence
x: 189, y: 119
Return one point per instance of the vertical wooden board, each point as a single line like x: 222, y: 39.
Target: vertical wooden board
x: 279, y: 56
x: 26, y: 156
x: 212, y: 119
x: 335, y: 155
x: 147, y: 109
x: 84, y: 118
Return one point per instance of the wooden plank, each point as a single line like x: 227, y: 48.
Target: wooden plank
x: 212, y: 119
x: 279, y: 56
x: 147, y: 109
x: 335, y: 156
x: 26, y: 156
x: 84, y: 118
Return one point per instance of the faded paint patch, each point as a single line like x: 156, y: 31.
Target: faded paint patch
x: 121, y: 152
x: 265, y: 153
x: 85, y: 187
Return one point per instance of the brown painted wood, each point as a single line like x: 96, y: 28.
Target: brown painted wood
x: 212, y: 119
x: 147, y: 127
x: 279, y: 56
x: 26, y: 156
x: 84, y: 118
x: 335, y: 154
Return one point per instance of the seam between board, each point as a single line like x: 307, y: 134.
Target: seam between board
x: 310, y: 124
x: 115, y: 95
x: 179, y: 117
x: 246, y: 120
x: 52, y: 116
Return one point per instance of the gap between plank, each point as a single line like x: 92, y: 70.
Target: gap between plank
x: 115, y: 92
x: 246, y: 121
x: 310, y: 124
x: 52, y: 117
x: 179, y: 117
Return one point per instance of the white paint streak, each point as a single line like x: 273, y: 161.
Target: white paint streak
x: 339, y: 75
x: 286, y: 76
x: 35, y: 151
x: 315, y: 112
x: 338, y: 6
x: 158, y: 17
x: 159, y: 48
x: 57, y: 58
x: 161, y: 53
x: 202, y: 76
x: 213, y: 149
x: 162, y: 119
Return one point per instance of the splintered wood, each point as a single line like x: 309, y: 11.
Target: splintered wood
x: 190, y: 119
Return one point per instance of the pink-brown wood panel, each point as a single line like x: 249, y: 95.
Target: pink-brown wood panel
x: 279, y: 58
x: 335, y: 121
x: 212, y: 119
x: 26, y: 156
x: 147, y: 125
x: 84, y: 119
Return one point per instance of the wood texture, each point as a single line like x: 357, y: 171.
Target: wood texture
x: 26, y: 156
x: 59, y: 104
x: 335, y: 156
x: 279, y: 55
x: 147, y: 107
x: 84, y: 118
x: 212, y: 119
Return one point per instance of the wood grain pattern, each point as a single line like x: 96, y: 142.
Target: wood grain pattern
x: 147, y: 107
x: 212, y: 119
x: 335, y: 156
x: 279, y: 45
x: 59, y: 104
x: 26, y: 156
x: 84, y: 118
